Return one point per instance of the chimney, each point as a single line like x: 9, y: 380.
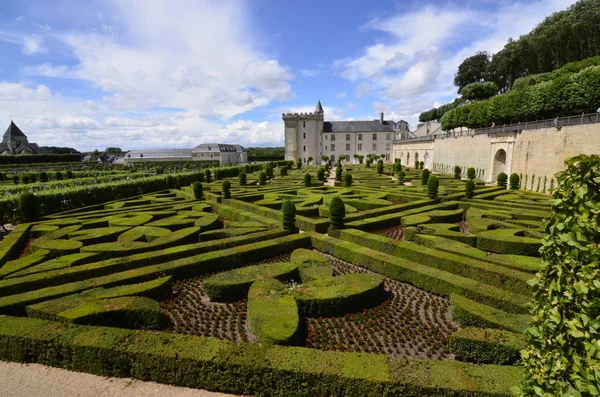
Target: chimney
x: 381, y: 117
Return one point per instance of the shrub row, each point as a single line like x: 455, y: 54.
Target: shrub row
x: 428, y: 278
x: 40, y: 158
x: 487, y: 346
x: 469, y: 313
x: 243, y: 368
x: 483, y: 272
x: 13, y: 243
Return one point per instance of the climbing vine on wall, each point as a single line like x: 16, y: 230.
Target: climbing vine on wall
x: 563, y: 356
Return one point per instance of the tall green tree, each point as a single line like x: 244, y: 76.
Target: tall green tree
x: 471, y: 70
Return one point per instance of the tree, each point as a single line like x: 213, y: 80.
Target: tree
x: 96, y: 154
x: 473, y: 69
x: 338, y: 174
x: 562, y: 355
x: 307, y: 180
x: 457, y: 172
x: 478, y: 90
x: 469, y: 189
x: 283, y: 171
x: 502, y: 179
x: 207, y: 175
x: 288, y: 210
x: 28, y: 206
x: 397, y: 166
x: 337, y: 212
x: 299, y: 163
x: 197, y: 189
x: 115, y: 151
x: 321, y: 174
x: 401, y: 177
x: 514, y: 181
x: 342, y: 157
x: 347, y: 179
x: 309, y: 160
x: 325, y: 158
x: 242, y: 178
x: 432, y: 187
x: 262, y: 178
x: 380, y: 167
x: 471, y: 173
x: 360, y: 158
x: 424, y: 177
x: 226, y: 189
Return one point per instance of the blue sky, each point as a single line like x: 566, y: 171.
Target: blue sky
x: 158, y: 73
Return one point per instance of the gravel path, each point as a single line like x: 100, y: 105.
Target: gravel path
x: 34, y: 380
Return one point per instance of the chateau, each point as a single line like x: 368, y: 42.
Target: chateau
x: 309, y: 135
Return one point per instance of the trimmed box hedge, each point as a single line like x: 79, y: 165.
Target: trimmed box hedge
x: 243, y: 368
x: 487, y: 346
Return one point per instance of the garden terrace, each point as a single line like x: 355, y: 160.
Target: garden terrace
x: 417, y: 295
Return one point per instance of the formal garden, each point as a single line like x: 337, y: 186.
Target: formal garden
x: 274, y: 279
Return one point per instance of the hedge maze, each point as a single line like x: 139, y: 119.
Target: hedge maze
x: 413, y: 294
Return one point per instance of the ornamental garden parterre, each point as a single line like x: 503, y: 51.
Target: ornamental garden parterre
x: 409, y: 288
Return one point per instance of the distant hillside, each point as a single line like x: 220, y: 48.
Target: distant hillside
x: 265, y: 153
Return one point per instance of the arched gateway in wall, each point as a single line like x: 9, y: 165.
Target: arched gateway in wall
x: 499, y: 163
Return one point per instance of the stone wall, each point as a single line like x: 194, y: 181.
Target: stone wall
x: 531, y: 152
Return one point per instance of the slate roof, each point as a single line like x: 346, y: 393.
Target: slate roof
x: 358, y: 126
x: 214, y: 147
x: 13, y: 130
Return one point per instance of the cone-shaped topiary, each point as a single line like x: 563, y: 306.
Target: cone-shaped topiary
x: 299, y: 163
x: 432, y: 186
x: 401, y: 177
x: 515, y: 181
x: 289, y: 216
x: 337, y: 212
x: 58, y: 176
x: 397, y: 166
x: 283, y: 171
x: 470, y: 189
x: 69, y: 174
x: 424, y: 177
x: 347, y: 179
x: 321, y: 174
x: 28, y: 206
x: 242, y: 178
x: 502, y: 179
x: 421, y: 164
x: 226, y: 189
x: 338, y: 173
x: 207, y: 175
x: 471, y: 173
x: 218, y: 174
x: 262, y: 178
x: 307, y: 180
x: 198, y: 190
x: 380, y: 167
x: 457, y: 172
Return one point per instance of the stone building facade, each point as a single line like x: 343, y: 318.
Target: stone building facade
x: 308, y: 135
x: 225, y: 154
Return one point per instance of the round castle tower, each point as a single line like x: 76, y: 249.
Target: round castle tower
x: 303, y: 135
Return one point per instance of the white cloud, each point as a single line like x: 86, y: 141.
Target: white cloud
x: 47, y: 70
x: 32, y: 45
x: 341, y: 94
x: 413, y: 69
x: 309, y: 72
x: 363, y: 89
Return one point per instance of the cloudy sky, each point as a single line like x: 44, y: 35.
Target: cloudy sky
x: 176, y: 73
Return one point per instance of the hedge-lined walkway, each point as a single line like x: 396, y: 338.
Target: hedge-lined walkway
x: 33, y: 380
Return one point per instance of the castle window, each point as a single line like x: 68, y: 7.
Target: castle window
x: 347, y: 147
x: 304, y: 124
x: 360, y: 137
x: 304, y: 135
x: 347, y: 137
x: 388, y: 146
x: 325, y: 136
x: 332, y: 137
x: 325, y: 147
x: 360, y: 146
x: 374, y: 137
x: 387, y: 156
x: 374, y: 146
x: 333, y: 148
x: 304, y: 148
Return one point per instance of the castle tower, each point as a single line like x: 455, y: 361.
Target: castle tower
x: 303, y: 135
